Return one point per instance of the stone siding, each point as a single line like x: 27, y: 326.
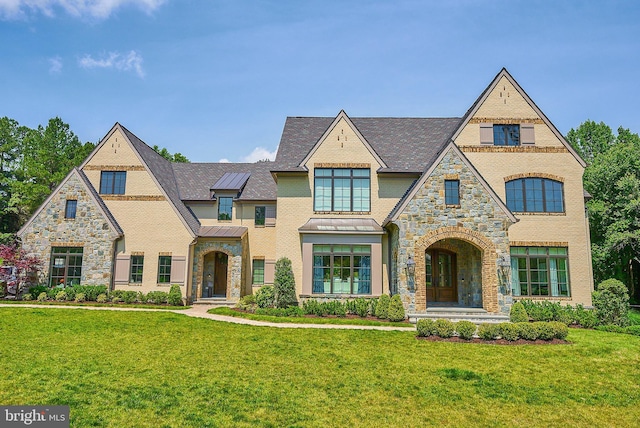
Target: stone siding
x: 235, y: 250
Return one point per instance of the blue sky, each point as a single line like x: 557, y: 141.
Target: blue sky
x: 215, y: 79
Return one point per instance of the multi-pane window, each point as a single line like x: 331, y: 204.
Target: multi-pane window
x: 452, y: 192
x: 342, y: 189
x: 66, y: 266
x: 113, y: 182
x: 261, y: 213
x: 506, y: 135
x: 70, y: 208
x: 164, y: 269
x: 225, y: 205
x: 534, y: 195
x: 258, y: 272
x: 137, y: 265
x: 539, y: 271
x: 342, y: 269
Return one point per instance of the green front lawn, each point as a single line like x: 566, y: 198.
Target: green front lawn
x: 100, y: 305
x: 163, y: 369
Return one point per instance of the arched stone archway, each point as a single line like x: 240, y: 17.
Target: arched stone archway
x: 233, y: 250
x: 489, y: 259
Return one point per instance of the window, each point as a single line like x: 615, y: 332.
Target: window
x: 70, y: 208
x: 342, y: 189
x: 506, y: 135
x: 452, y: 192
x: 112, y: 182
x: 535, y: 195
x: 164, y: 269
x: 539, y: 271
x: 224, y: 208
x: 258, y: 272
x: 342, y: 269
x: 261, y: 213
x: 66, y: 266
x: 137, y: 264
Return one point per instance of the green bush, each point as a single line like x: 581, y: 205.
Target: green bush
x: 80, y: 297
x: 488, y: 331
x: 265, y: 296
x: 51, y: 293
x: 43, y: 297
x: 542, y: 311
x: 560, y: 329
x: 362, y: 307
x: 426, y: 327
x: 545, y: 330
x: 518, y: 313
x: 247, y: 303
x: 611, y: 301
x: 382, y: 308
x: 116, y: 293
x: 587, y: 318
x: 157, y: 297
x: 175, y: 295
x: 509, y: 331
x: 527, y: 330
x: 313, y: 307
x: 141, y: 297
x: 93, y: 291
x: 61, y: 296
x: 116, y: 299
x: 465, y: 329
x: 444, y: 328
x: 284, y: 284
x: 373, y: 306
x: 129, y: 296
x: 633, y: 329
x: 37, y: 290
x: 336, y: 308
x: 291, y: 311
x: 396, y: 309
x: 27, y: 297
x: 102, y: 298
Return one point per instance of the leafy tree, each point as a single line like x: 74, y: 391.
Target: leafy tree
x: 177, y: 157
x: 284, y: 284
x: 11, y: 135
x: 591, y: 139
x: 611, y: 302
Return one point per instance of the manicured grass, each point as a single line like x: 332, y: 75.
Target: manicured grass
x: 156, y: 369
x: 303, y: 320
x: 100, y: 305
x: 634, y: 317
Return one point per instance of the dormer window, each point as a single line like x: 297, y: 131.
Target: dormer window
x: 342, y: 189
x: 225, y: 206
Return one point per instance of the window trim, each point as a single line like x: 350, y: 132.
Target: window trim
x: 515, y: 272
x: 164, y: 270
x: 523, y: 190
x: 70, y: 208
x: 132, y: 264
x: 109, y: 187
x: 333, y: 178
x: 66, y: 253
x: 352, y: 268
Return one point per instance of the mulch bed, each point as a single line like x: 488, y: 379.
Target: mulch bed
x: 496, y: 342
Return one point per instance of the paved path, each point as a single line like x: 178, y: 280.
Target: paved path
x: 200, y: 311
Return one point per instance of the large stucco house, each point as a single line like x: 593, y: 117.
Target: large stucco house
x: 474, y: 211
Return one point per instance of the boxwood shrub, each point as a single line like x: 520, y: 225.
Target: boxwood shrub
x: 444, y: 328
x: 465, y: 329
x: 560, y: 329
x: 527, y: 330
x: 509, y: 331
x: 518, y: 313
x: 426, y: 327
x: 382, y: 308
x: 488, y: 331
x: 545, y: 330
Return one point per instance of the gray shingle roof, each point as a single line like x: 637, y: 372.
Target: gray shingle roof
x: 194, y: 180
x: 405, y: 144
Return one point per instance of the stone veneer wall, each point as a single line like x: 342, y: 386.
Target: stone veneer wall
x: 90, y: 230
x: 478, y: 220
x: 235, y: 275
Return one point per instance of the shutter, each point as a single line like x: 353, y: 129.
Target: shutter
x: 270, y: 215
x: 527, y: 136
x: 269, y: 271
x: 178, y: 266
x: 486, y: 133
x: 121, y: 272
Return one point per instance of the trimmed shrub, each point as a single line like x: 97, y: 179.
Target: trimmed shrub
x: 382, y: 308
x: 175, y: 295
x: 116, y: 299
x: 80, y: 297
x: 444, y: 328
x: 362, y: 307
x: 545, y: 330
x: 488, y: 331
x: 587, y: 318
x: 291, y: 311
x: 37, y: 290
x: 611, y: 301
x: 93, y: 291
x: 560, y: 329
x: 426, y: 327
x: 157, y: 297
x: 509, y: 331
x: 284, y: 284
x: 336, y: 308
x: 129, y: 296
x: 61, y: 296
x: 247, y: 303
x: 313, y: 307
x: 527, y: 330
x: 102, y: 298
x: 396, y: 309
x: 265, y: 296
x: 42, y: 297
x: 465, y: 329
x: 518, y: 313
x: 373, y: 306
x: 141, y: 297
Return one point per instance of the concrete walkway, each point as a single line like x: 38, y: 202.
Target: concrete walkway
x: 200, y: 311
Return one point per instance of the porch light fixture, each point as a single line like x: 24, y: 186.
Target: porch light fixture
x: 411, y: 267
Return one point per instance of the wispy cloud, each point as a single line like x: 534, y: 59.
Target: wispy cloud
x: 55, y: 64
x: 100, y: 9
x: 258, y: 154
x: 224, y: 160
x: 115, y: 60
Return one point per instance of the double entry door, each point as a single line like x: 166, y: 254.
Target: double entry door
x: 440, y: 270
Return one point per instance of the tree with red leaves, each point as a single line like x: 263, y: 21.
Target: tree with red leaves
x: 27, y: 266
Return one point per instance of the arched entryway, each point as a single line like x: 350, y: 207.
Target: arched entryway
x: 214, y: 275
